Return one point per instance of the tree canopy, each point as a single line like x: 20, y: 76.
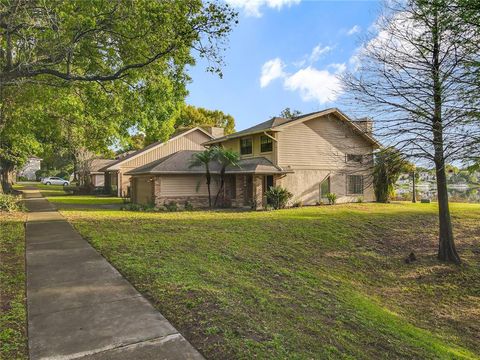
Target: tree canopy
x: 81, y: 74
x: 191, y: 116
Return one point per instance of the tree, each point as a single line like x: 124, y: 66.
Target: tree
x: 204, y: 158
x: 287, y: 113
x: 226, y: 158
x: 105, y: 67
x: 389, y: 165
x: 414, y: 78
x: 191, y: 116
x: 106, y: 40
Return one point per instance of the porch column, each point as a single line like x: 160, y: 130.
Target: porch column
x: 258, y: 192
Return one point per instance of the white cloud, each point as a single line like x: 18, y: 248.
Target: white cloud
x: 252, y: 7
x: 318, y: 51
x: 339, y: 68
x: 271, y: 70
x: 314, y: 84
x: 355, y: 29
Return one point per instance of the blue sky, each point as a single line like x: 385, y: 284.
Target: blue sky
x: 283, y: 53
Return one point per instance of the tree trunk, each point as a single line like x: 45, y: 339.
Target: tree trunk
x: 446, y: 247
x: 5, y: 175
x: 209, y: 179
x: 222, y: 185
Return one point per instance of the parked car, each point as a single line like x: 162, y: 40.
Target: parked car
x: 52, y: 180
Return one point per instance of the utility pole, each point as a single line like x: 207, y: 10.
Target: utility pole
x: 414, y: 195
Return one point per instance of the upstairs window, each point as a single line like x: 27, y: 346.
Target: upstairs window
x: 246, y: 146
x: 355, y: 184
x: 266, y: 144
x: 354, y: 158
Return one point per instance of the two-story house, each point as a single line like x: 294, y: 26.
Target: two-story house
x: 310, y: 155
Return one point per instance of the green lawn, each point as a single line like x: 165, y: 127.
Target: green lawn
x: 305, y: 283
x: 13, y: 317
x: 56, y: 194
x: 84, y: 199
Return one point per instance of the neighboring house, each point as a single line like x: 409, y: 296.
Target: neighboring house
x: 32, y: 165
x: 118, y: 181
x: 97, y: 177
x: 310, y: 155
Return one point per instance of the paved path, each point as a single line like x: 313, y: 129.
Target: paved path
x: 79, y: 306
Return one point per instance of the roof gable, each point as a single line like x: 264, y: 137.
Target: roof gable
x: 279, y: 124
x: 117, y: 164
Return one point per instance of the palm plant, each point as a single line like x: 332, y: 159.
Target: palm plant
x: 203, y: 159
x: 226, y: 158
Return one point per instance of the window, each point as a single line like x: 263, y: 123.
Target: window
x: 266, y: 144
x: 246, y: 146
x: 324, y: 187
x: 354, y: 158
x: 355, y: 184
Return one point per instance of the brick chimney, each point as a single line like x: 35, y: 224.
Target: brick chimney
x: 366, y: 124
x: 216, y: 132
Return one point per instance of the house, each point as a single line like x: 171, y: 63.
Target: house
x: 310, y: 155
x: 28, y: 171
x: 118, y: 182
x: 97, y: 177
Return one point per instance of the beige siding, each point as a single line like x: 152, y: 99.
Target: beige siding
x: 305, y: 186
x: 143, y: 190
x: 191, y: 141
x: 319, y: 144
x: 186, y: 185
x: 317, y: 149
x: 234, y: 145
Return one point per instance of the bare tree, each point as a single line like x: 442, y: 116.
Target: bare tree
x: 413, y: 79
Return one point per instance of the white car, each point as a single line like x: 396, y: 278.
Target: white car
x: 52, y: 180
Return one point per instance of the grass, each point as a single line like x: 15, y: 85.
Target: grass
x: 13, y: 318
x: 84, y: 200
x: 317, y: 282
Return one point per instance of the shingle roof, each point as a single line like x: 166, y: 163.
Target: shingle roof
x: 97, y: 164
x: 179, y: 163
x: 276, y: 123
x: 138, y: 152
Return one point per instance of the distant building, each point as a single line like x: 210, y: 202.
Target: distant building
x: 32, y: 165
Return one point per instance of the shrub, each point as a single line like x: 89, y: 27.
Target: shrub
x: 171, y: 206
x: 139, y: 207
x: 332, y: 198
x: 278, y: 197
x: 188, y: 206
x: 297, y: 204
x: 360, y: 199
x: 22, y: 178
x: 11, y: 203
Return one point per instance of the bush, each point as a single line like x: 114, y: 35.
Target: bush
x: 188, y: 206
x: 171, y: 206
x: 278, y: 197
x: 297, y: 204
x: 138, y: 207
x: 11, y: 203
x: 332, y: 198
x: 22, y: 178
x: 360, y: 199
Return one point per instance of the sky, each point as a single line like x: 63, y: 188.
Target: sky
x: 284, y: 53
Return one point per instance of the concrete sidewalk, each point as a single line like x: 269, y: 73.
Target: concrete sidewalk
x: 79, y: 306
